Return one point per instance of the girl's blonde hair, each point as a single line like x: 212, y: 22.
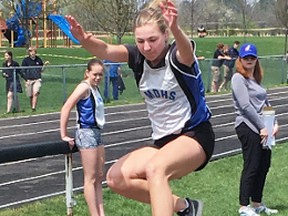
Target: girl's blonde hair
x: 92, y: 62
x: 155, y: 4
x: 258, y: 71
x: 151, y: 14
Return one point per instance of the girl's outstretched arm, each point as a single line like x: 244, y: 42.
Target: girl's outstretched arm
x: 97, y: 47
x: 79, y: 92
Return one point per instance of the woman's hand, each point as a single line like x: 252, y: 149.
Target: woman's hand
x: 70, y: 140
x: 275, y: 130
x: 77, y: 30
x: 263, y: 135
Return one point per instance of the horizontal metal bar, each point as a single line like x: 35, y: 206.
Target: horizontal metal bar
x: 32, y: 150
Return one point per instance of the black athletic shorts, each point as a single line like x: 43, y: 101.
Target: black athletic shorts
x: 202, y: 133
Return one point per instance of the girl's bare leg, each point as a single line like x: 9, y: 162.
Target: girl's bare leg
x: 143, y: 175
x: 93, y: 162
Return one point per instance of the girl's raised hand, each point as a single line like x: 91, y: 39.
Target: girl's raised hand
x: 77, y: 30
x: 170, y: 13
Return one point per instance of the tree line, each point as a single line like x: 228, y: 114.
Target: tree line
x: 115, y: 16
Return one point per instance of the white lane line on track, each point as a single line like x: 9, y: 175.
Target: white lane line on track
x: 124, y: 112
x: 47, y: 175
x: 223, y: 154
x: 32, y: 199
x: 27, y: 124
x: 231, y: 104
x: 17, y: 162
x: 57, y: 129
x: 124, y: 120
x: 36, y: 177
x: 126, y: 130
x: 58, y: 113
x: 133, y: 111
x: 58, y: 120
x: 228, y: 97
x: 128, y: 142
x: 223, y: 125
x: 233, y: 113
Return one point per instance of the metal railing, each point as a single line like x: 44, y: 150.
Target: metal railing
x: 34, y: 150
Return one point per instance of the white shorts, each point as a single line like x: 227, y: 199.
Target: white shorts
x: 33, y: 87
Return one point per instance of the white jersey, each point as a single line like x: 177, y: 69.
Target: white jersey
x: 99, y: 111
x: 161, y: 100
x: 173, y: 92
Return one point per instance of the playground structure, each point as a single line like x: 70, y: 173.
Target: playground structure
x: 22, y: 27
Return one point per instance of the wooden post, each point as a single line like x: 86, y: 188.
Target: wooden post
x: 12, y: 32
x: 37, y: 32
x: 44, y: 24
x: 54, y: 31
x: 31, y: 30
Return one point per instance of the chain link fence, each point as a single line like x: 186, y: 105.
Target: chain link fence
x: 58, y: 82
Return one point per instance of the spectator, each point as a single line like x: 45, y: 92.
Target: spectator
x: 201, y: 31
x: 8, y: 74
x: 229, y: 64
x: 90, y: 114
x: 112, y: 76
x: 33, y: 76
x: 169, y: 79
x: 200, y: 57
x: 218, y: 59
x: 250, y: 98
x: 121, y: 84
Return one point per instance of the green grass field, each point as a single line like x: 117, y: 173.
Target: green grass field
x: 217, y: 185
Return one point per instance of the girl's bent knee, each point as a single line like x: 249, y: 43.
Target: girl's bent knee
x: 154, y: 172
x: 115, y: 181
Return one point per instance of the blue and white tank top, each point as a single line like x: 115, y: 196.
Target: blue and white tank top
x: 90, y: 110
x: 173, y: 92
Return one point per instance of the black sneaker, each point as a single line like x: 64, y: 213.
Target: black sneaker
x: 194, y: 209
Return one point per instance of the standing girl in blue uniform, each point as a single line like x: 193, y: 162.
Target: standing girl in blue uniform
x: 169, y: 78
x: 90, y: 120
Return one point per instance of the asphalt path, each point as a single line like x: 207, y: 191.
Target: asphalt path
x: 127, y: 128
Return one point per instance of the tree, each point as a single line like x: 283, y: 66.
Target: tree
x: 212, y: 12
x: 113, y: 16
x: 187, y: 8
x: 281, y: 9
x: 247, y: 10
